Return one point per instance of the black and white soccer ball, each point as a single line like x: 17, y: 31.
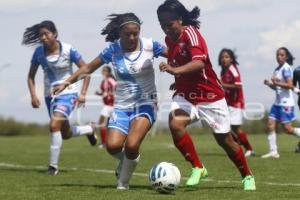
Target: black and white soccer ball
x: 164, y: 177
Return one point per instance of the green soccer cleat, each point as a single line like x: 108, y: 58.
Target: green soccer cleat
x: 196, y: 175
x: 249, y: 183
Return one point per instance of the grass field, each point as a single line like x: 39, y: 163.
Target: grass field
x: 87, y: 173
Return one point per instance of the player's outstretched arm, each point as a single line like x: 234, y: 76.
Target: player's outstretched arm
x: 35, y: 102
x: 85, y: 85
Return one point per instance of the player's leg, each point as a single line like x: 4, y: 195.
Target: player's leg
x: 179, y: 118
x: 137, y: 132
x: 216, y: 115
x: 243, y: 139
x: 287, y: 116
x: 102, y: 130
x: 274, y: 116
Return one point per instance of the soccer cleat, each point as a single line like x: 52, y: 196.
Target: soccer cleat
x: 249, y: 183
x: 52, y: 170
x: 271, y: 154
x: 196, y: 175
x: 297, y: 149
x: 92, y: 137
x: 249, y: 153
x: 122, y: 186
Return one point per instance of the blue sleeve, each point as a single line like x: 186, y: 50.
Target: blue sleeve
x: 287, y: 73
x: 35, y: 57
x: 157, y: 49
x: 75, y: 56
x: 106, y: 55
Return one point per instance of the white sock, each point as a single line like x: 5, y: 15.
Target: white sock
x: 81, y: 130
x: 296, y: 132
x: 127, y: 169
x: 55, y: 146
x: 272, y: 141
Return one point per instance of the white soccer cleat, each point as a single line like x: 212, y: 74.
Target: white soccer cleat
x: 272, y: 154
x: 122, y: 186
x: 249, y: 153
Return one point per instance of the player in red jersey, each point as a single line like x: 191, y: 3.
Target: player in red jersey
x: 232, y: 84
x: 107, y: 89
x: 198, y: 91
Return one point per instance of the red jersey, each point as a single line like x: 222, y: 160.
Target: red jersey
x: 234, y: 96
x: 197, y: 87
x: 108, y: 88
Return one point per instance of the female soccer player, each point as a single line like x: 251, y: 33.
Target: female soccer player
x: 107, y: 89
x: 232, y: 84
x: 198, y: 91
x: 282, y: 110
x: 135, y: 97
x: 56, y: 59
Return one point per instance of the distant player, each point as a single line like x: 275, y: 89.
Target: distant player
x: 283, y: 109
x: 198, y: 91
x: 296, y: 83
x: 232, y: 84
x: 107, y: 90
x: 135, y: 97
x: 56, y: 59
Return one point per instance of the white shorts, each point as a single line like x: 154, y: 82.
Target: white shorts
x: 236, y: 115
x: 107, y: 111
x: 214, y: 114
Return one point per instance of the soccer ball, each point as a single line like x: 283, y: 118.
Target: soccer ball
x: 164, y: 177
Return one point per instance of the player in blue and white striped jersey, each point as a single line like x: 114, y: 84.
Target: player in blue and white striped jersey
x: 56, y: 59
x: 135, y: 97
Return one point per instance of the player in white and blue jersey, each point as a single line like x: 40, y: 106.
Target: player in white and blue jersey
x: 135, y: 97
x: 296, y: 82
x: 283, y: 110
x: 56, y: 59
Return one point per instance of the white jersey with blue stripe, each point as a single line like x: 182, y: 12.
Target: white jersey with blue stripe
x: 284, y: 97
x: 57, y: 68
x: 134, y: 72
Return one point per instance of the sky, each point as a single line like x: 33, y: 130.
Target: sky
x: 254, y: 28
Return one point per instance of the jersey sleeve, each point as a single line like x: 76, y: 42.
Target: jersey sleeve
x: 236, y: 75
x: 75, y: 56
x: 106, y: 55
x: 35, y: 57
x: 157, y: 49
x: 287, y: 73
x: 196, y: 44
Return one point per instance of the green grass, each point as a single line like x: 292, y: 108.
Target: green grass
x: 276, y: 179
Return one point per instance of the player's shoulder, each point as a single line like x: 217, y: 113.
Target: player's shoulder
x: 297, y: 69
x: 286, y: 66
x: 147, y: 43
x: 39, y: 50
x: 234, y: 70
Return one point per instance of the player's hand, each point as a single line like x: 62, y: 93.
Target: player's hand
x: 267, y: 82
x: 80, y: 100
x: 164, y: 67
x: 59, y: 88
x: 35, y: 102
x: 172, y: 86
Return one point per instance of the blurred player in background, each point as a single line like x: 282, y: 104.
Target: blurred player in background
x: 283, y: 109
x: 232, y: 84
x: 198, y: 92
x: 107, y: 89
x: 135, y: 97
x: 296, y: 83
x: 56, y: 59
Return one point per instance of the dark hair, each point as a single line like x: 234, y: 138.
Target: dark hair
x: 290, y: 58
x: 231, y: 54
x: 109, y: 71
x: 31, y: 34
x: 112, y: 29
x: 178, y: 10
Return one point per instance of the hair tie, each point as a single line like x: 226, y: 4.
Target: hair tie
x: 127, y: 22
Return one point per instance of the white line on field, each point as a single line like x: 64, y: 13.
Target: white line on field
x: 106, y: 171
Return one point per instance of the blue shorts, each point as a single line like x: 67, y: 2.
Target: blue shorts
x: 63, y: 104
x: 121, y: 118
x: 283, y: 114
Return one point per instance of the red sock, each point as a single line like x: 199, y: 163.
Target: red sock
x: 240, y: 162
x: 103, y: 135
x: 186, y: 146
x: 244, y: 140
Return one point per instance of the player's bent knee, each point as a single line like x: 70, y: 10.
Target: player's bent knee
x: 113, y: 148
